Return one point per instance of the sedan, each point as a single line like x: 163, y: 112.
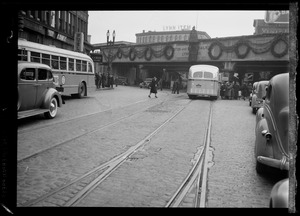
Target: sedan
x: 271, y: 131
x: 36, y: 91
x: 258, y: 94
x: 146, y: 83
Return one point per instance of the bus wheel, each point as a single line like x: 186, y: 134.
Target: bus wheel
x: 81, y: 90
x: 52, y: 109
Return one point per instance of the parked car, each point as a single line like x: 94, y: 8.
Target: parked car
x: 271, y: 131
x: 251, y: 93
x: 146, y: 83
x: 121, y: 80
x: 36, y: 91
x: 279, y: 197
x: 258, y: 94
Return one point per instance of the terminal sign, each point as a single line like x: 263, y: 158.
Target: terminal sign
x: 176, y: 28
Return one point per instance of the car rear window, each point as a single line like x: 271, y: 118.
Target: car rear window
x: 42, y: 74
x: 198, y: 74
x: 27, y: 74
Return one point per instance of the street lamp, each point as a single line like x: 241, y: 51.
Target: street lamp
x: 110, y: 45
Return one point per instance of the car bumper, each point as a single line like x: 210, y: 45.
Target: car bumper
x: 282, y: 164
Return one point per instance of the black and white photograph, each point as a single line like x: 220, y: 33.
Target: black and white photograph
x: 154, y: 108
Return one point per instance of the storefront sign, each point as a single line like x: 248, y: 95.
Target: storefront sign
x: 97, y: 57
x: 61, y: 37
x: 78, y: 42
x: 50, y: 33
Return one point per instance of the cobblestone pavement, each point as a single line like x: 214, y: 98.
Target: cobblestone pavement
x: 152, y: 175
x: 233, y: 181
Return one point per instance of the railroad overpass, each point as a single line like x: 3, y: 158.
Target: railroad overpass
x: 251, y: 57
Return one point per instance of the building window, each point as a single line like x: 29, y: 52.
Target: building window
x: 39, y: 15
x: 52, y: 19
x: 47, y: 17
x: 59, y: 20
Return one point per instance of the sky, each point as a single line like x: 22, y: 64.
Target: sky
x: 128, y: 23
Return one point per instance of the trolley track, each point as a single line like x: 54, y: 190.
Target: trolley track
x: 23, y: 131
x: 84, y: 133
x: 73, y: 192
x: 195, y: 184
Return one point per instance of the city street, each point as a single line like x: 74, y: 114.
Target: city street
x: 143, y: 149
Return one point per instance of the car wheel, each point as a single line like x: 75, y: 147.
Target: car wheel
x: 81, y: 90
x: 52, y: 109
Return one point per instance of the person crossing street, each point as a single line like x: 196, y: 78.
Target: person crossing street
x: 153, y: 87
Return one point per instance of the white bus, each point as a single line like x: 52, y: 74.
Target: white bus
x: 73, y: 71
x: 203, y: 80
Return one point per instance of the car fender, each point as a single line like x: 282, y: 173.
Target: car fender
x: 262, y: 148
x: 279, y: 197
x: 259, y: 114
x: 49, y: 95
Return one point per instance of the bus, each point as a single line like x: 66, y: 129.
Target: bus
x: 203, y: 80
x: 73, y: 72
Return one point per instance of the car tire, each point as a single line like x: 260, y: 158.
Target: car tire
x: 52, y: 109
x: 254, y: 110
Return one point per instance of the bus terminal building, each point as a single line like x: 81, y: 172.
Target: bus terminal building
x: 165, y: 54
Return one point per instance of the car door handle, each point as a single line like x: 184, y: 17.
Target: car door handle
x: 37, y: 84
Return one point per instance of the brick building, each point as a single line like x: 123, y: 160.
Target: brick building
x: 56, y: 28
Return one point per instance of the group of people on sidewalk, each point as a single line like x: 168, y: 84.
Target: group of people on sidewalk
x: 233, y: 90
x: 105, y: 80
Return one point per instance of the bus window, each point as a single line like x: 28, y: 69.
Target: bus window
x: 198, y: 74
x: 35, y: 57
x: 84, y: 66
x: 63, y: 63
x: 71, y: 64
x: 78, y: 65
x: 54, y: 62
x: 90, y: 67
x: 208, y: 75
x: 46, y: 59
x: 22, y: 54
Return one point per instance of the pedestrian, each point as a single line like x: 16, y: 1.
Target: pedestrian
x: 153, y: 87
x: 116, y: 81
x: 103, y: 80
x: 97, y: 77
x: 222, y: 90
x: 176, y: 86
x: 111, y: 81
x: 227, y: 90
x: 236, y: 88
x: 244, y: 89
x: 160, y: 84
